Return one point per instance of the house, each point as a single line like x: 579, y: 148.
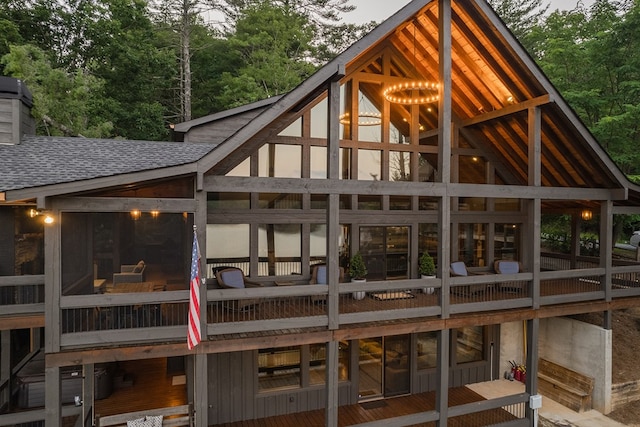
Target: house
x: 436, y: 132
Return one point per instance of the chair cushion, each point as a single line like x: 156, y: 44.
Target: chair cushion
x: 458, y: 268
x: 139, y: 267
x: 321, y: 275
x: 508, y: 267
x: 233, y: 278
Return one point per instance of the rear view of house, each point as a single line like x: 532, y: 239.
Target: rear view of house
x: 434, y: 133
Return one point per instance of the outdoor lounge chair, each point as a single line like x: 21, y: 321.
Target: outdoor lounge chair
x: 130, y: 273
x: 234, y: 278
x: 509, y: 267
x: 459, y: 268
x: 319, y: 277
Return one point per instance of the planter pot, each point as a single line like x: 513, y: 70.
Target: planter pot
x: 358, y: 295
x: 429, y: 290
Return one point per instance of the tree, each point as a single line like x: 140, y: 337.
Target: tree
x: 521, y: 16
x: 269, y: 53
x: 64, y: 104
x: 593, y: 56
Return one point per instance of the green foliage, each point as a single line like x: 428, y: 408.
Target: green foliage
x: 426, y: 266
x: 64, y: 103
x: 357, y: 268
x: 593, y: 57
x: 521, y: 16
x: 272, y: 46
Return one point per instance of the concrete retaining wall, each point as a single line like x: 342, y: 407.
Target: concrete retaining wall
x: 584, y: 348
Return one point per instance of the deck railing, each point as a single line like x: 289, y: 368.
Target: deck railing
x: 292, y: 303
x: 21, y: 294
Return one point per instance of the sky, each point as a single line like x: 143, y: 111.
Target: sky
x: 379, y: 10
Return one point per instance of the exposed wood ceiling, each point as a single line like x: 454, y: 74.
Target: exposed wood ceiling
x: 489, y: 75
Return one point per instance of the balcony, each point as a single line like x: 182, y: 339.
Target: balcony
x: 159, y: 314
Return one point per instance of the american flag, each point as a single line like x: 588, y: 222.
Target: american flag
x: 193, y: 336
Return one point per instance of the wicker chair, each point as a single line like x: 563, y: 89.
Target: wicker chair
x: 234, y: 278
x: 459, y: 269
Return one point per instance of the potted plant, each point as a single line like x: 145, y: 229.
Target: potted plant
x: 427, y: 269
x: 358, y: 273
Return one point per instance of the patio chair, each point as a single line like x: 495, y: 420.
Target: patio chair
x: 459, y: 269
x: 234, y: 278
x: 130, y: 273
x: 319, y: 277
x: 502, y: 266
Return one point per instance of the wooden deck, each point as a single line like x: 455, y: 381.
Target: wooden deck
x: 388, y: 408
x: 153, y: 386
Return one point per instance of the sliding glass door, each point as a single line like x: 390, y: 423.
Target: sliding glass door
x: 384, y: 368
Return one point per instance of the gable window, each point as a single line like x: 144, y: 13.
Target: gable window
x: 280, y: 161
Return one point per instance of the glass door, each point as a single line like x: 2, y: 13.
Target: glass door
x: 384, y: 367
x: 370, y: 368
x: 385, y: 251
x: 397, y: 375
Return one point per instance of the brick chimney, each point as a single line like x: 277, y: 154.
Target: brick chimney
x: 15, y: 111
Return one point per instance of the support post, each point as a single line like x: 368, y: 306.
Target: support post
x: 442, y: 393
x: 331, y: 408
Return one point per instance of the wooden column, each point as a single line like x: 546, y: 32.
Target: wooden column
x: 5, y: 366
x: 52, y: 397
x: 52, y: 316
x: 200, y: 365
x: 333, y: 262
x: 444, y: 150
x: 531, y: 387
x: 535, y: 206
x: 442, y: 393
x: 331, y: 361
x: 444, y: 207
x: 606, y: 244
x: 53, y: 285
x: 333, y: 204
x: 576, y: 225
x: 88, y: 391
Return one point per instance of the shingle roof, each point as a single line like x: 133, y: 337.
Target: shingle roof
x: 40, y: 161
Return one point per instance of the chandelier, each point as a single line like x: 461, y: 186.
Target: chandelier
x: 365, y: 118
x: 412, y: 93
x: 415, y: 92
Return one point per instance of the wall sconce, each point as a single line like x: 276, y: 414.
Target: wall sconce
x: 48, y: 218
x: 586, y: 214
x: 135, y: 214
x: 154, y: 214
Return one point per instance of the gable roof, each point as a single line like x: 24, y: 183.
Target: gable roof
x: 495, y: 85
x: 40, y: 161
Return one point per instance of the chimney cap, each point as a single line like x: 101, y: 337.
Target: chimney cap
x: 12, y: 88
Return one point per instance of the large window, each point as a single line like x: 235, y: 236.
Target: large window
x: 469, y: 344
x: 507, y: 242
x: 427, y: 350
x: 282, y: 368
x: 278, y: 368
x: 472, y: 244
x: 279, y: 249
x: 280, y: 161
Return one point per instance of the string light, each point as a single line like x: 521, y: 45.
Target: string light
x: 367, y: 118
x: 412, y: 93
